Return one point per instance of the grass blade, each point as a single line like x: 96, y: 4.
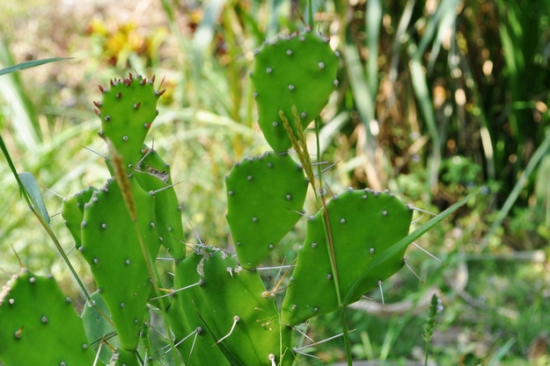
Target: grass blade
x: 29, y: 64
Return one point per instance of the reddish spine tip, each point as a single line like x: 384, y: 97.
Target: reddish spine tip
x: 153, y: 79
x: 147, y: 125
x: 96, y: 111
x: 101, y: 89
x: 144, y: 151
x: 159, y: 93
x: 118, y: 95
x: 137, y: 105
x: 143, y: 81
x: 131, y: 76
x: 112, y: 82
x: 97, y: 104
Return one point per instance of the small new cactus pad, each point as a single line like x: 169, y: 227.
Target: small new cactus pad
x: 363, y: 224
x: 193, y: 340
x: 263, y: 195
x: 111, y: 246
x: 247, y: 327
x: 39, y: 325
x: 299, y: 70
x: 127, y: 111
x: 153, y: 175
x: 73, y: 211
x: 98, y: 327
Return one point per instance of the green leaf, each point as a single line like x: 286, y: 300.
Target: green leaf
x: 29, y: 64
x: 33, y: 190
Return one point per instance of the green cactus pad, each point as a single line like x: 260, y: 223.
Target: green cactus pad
x: 299, y: 71
x: 153, y: 175
x: 363, y: 224
x: 197, y: 349
x: 127, y: 111
x: 40, y: 325
x: 73, y: 211
x: 258, y: 333
x: 262, y: 194
x: 111, y: 246
x: 98, y: 327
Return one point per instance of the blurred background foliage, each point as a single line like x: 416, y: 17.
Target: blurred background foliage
x: 435, y: 98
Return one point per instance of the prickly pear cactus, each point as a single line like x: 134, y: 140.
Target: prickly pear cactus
x: 247, y: 328
x: 193, y: 340
x: 73, y: 211
x: 98, y: 329
x: 363, y: 224
x: 127, y: 111
x: 298, y: 70
x: 40, y: 325
x: 153, y: 175
x: 111, y: 246
x: 265, y: 195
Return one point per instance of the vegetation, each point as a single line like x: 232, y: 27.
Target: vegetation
x: 434, y: 100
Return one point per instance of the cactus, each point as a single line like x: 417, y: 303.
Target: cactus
x: 127, y: 111
x: 247, y: 329
x: 250, y: 184
x: 95, y: 317
x: 218, y: 312
x: 296, y: 71
x: 73, y: 212
x: 153, y: 175
x: 363, y: 224
x: 111, y: 246
x: 40, y: 325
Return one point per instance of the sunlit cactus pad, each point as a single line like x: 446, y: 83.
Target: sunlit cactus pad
x: 298, y: 70
x: 127, y: 111
x: 265, y: 196
x: 247, y: 327
x: 111, y: 246
x: 39, y: 325
x: 363, y: 224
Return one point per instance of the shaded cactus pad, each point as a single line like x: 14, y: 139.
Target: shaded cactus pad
x: 40, y: 325
x: 246, y: 328
x: 298, y: 70
x: 363, y: 224
x: 262, y: 194
x: 153, y: 175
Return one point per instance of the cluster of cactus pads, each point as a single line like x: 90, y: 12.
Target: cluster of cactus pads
x: 218, y: 311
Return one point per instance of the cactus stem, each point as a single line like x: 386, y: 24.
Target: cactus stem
x: 428, y: 253
x: 410, y: 269
x: 381, y: 291
x: 235, y: 321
